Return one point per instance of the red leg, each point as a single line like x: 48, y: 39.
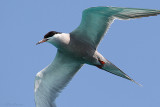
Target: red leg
x: 99, y: 66
x: 102, y: 63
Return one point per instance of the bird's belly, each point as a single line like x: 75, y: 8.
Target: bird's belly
x: 80, y: 50
x: 82, y: 53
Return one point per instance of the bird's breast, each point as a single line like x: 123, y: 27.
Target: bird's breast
x: 78, y: 49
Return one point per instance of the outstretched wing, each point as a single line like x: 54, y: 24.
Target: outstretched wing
x: 96, y: 20
x: 52, y: 79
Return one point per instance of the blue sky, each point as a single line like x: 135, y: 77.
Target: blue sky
x: 132, y: 45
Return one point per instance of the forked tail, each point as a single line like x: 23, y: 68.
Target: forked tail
x: 109, y: 67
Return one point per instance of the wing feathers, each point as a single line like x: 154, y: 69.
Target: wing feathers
x: 52, y: 79
x: 96, y: 20
x: 130, y: 13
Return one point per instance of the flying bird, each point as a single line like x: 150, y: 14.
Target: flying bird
x: 78, y: 48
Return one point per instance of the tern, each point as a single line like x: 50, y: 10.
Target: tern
x: 78, y: 48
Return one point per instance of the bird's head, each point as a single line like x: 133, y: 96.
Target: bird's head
x: 49, y: 37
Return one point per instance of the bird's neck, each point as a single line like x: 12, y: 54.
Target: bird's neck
x: 61, y: 40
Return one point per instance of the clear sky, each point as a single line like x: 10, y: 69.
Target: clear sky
x: 132, y: 45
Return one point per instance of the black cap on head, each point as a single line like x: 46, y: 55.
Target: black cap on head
x: 50, y: 34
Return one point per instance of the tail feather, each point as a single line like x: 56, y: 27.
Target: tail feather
x: 109, y: 67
